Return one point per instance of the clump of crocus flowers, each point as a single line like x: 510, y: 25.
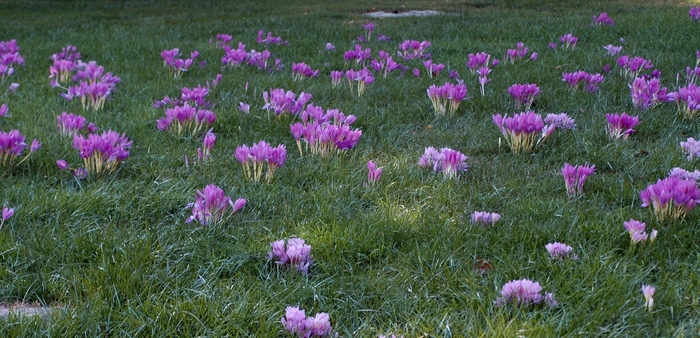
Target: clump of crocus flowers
x: 685, y: 174
x: 9, y: 56
x: 204, y: 152
x: 363, y: 77
x: 411, y: 49
x: 63, y: 65
x: 448, y: 161
x: 561, y: 121
x: 254, y: 157
x: 558, y: 250
x: 477, y: 61
x: 612, y: 49
x: 359, y: 55
x: 590, y: 81
x: 602, y: 20
x: 648, y: 93
x: 620, y: 125
x: 524, y: 94
x: 175, y: 64
x: 69, y: 124
x: 269, y: 40
x: 485, y: 217
x: 6, y: 214
x: 93, y: 87
x: 296, y: 322
x: 239, y: 56
x: 575, y: 177
x: 185, y: 119
x: 222, y: 40
x: 670, y: 198
x: 102, y: 153
x: 12, y: 146
x: 524, y: 130
x: 688, y: 100
x: 691, y: 147
x: 302, y: 71
x: 281, y: 101
x: 524, y: 292
x: 630, y: 67
x: 325, y: 133
x: 296, y: 254
x: 568, y: 40
x: 694, y: 13
x: 373, y: 173
x: 518, y: 53
x: 384, y: 65
x: 446, y: 98
x: 637, y: 232
x: 211, y: 206
x: 433, y: 69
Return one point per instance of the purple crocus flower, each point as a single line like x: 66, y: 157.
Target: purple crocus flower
x: 524, y: 94
x: 6, y: 214
x: 524, y: 292
x: 244, y: 107
x: 670, y: 198
x: 648, y: 93
x: 411, y: 49
x: 448, y: 161
x: 297, y: 254
x: 373, y: 173
x: 522, y: 130
x: 330, y: 47
x: 69, y: 124
x: 102, y: 153
x: 691, y: 147
x: 13, y: 86
x: 648, y: 290
x: 694, y: 13
x: 446, y: 98
x: 602, y: 20
x: 211, y: 204
x: 254, y: 157
x: 62, y: 164
x: 4, y: 110
x: 621, y: 125
x: 478, y: 60
x: 568, y: 40
x: 575, y: 177
x: 613, y: 50
x: 486, y: 218
x: 561, y: 121
x: 559, y: 250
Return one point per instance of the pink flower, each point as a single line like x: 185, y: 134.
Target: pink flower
x: 524, y: 292
x: 6, y: 214
x: 648, y: 292
x: 560, y: 251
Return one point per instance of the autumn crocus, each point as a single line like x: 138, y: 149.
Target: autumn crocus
x: 369, y: 27
x: 211, y: 206
x: 561, y: 121
x: 363, y: 77
x: 670, y: 198
x: 602, y: 20
x: 637, y: 232
x: 568, y: 41
x: 524, y: 94
x: 102, y: 153
x: 296, y: 322
x: 518, y: 53
x: 648, y: 292
x: 411, y: 49
x: 6, y: 214
x: 302, y: 71
x: 448, y: 161
x: 296, y: 254
x: 632, y: 66
x: 358, y: 55
x: 620, y: 125
x: 694, y: 13
x: 4, y: 110
x: 373, y: 173
x: 9, y: 56
x: 477, y: 61
x: 254, y: 158
x: 186, y: 120
x: 688, y: 100
x: 92, y: 85
x: 613, y: 50
x: 69, y: 124
x: 524, y: 130
x: 691, y: 148
x: 524, y: 292
x: 280, y: 101
x: 446, y: 98
x: 12, y: 146
x: 325, y: 133
x: 649, y: 93
x: 575, y: 177
x: 559, y: 250
x: 433, y: 69
x: 269, y: 39
x: 483, y: 77
x: 176, y: 65
x: 484, y: 217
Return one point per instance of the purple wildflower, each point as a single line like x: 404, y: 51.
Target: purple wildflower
x: 646, y: 94
x: 302, y: 71
x: 602, y: 20
x: 478, y: 60
x: 637, y: 232
x: 62, y: 164
x: 694, y: 13
x: 6, y: 214
x: 244, y: 107
x: 211, y: 204
x: 524, y: 94
x: 297, y: 254
x: 559, y: 250
x: 522, y: 130
x: 296, y: 322
x: 373, y: 173
x: 69, y: 124
x: 518, y: 53
x: 330, y: 47
x: 568, y: 40
x: 575, y: 177
x: 685, y: 174
x: 281, y: 101
x: 484, y: 217
x: 254, y: 157
x: 446, y: 98
x: 448, y: 161
x: 621, y: 126
x: 671, y: 197
x: 523, y: 292
x: 613, y: 50
x: 411, y: 49
x: 102, y: 153
x: 648, y: 290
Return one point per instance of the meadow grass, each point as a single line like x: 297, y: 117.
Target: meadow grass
x: 116, y: 255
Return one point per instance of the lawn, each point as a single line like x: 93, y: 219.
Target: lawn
x: 114, y: 255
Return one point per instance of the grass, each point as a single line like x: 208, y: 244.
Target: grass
x: 394, y: 258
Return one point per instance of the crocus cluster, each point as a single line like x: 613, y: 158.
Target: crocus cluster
x: 637, y: 232
x: 239, y: 56
x: 185, y: 119
x: 211, y: 205
x: 373, y: 173
x: 485, y: 217
x: 363, y: 77
x: 648, y: 93
x: 620, y: 125
x: 254, y: 157
x: 630, y: 67
x: 560, y: 121
x: 302, y: 71
x: 559, y: 250
x: 446, y: 98
x: 9, y: 56
x: 478, y: 60
x: 359, y: 55
x: 691, y: 147
x: 523, y: 94
x: 448, y: 161
x: 296, y: 322
x: 575, y: 177
x: 685, y: 174
x: 670, y: 198
x: 177, y: 65
x: 325, y: 133
x: 297, y: 254
x: 602, y: 20
x: 524, y: 292
x: 524, y: 130
x: 281, y: 101
x: 411, y: 49
x: 688, y: 100
x: 93, y: 87
x: 204, y: 152
x: 568, y: 41
x: 433, y: 69
x: 590, y: 81
x: 518, y: 53
x: 613, y: 50
x: 222, y: 40
x: 369, y: 27
x: 269, y: 40
x: 63, y: 65
x: 694, y: 13
x: 69, y: 124
x: 648, y: 290
x: 12, y: 147
x: 102, y: 153
x: 6, y: 214
x: 384, y: 65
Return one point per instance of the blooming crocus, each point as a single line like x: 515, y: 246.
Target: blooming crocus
x: 694, y: 13
x: 69, y: 124
x: 685, y: 174
x: 244, y: 107
x: 483, y: 77
x: 102, y: 153
x: 559, y: 250
x: 524, y: 292
x: 6, y: 214
x: 411, y: 49
x: 448, y: 161
x: 302, y: 71
x: 637, y: 232
x: 325, y: 133
x: 561, y: 121
x: 478, y: 60
x: 176, y: 65
x: 254, y: 157
x: 296, y: 322
x: 670, y: 198
x: 330, y: 47
x: 296, y: 254
x: 80, y: 173
x: 280, y: 101
x: 211, y: 205
x: 433, y: 69
x: 484, y: 217
x: 568, y: 40
x: 691, y: 147
x: 552, y: 45
x: 383, y: 38
x: 518, y: 53
x: 688, y: 99
x: 524, y: 130
x: 446, y: 98
x: 620, y: 125
x: 524, y: 94
x: 602, y: 20
x: 369, y: 27
x: 4, y: 110
x: 13, y: 86
x: 631, y: 67
x: 269, y: 40
x: 613, y: 50
x: 12, y: 145
x: 648, y: 292
x: 62, y: 164
x: 373, y: 173
x: 648, y: 93
x: 575, y: 177
x: 363, y: 77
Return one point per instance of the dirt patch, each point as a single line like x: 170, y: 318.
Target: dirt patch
x: 26, y: 310
x: 397, y: 14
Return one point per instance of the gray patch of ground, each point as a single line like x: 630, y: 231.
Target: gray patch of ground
x: 27, y: 310
x: 401, y: 14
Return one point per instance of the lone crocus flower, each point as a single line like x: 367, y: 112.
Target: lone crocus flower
x: 484, y: 217
x: 483, y: 77
x: 373, y: 173
x: 211, y: 205
x: 297, y: 254
x: 524, y: 292
x: 433, y: 69
x: 296, y: 322
x: 620, y: 125
x: 524, y: 130
x: 648, y: 292
x: 523, y: 94
x: 244, y: 107
x: 559, y: 250
x: 670, y: 198
x: 6, y: 214
x: 575, y: 177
